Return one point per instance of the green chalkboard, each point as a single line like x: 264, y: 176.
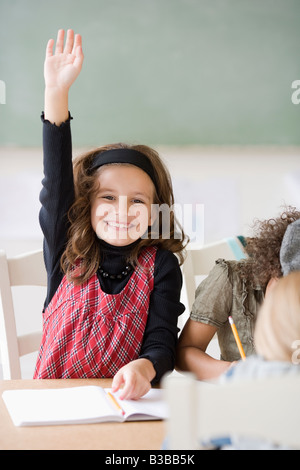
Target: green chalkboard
x: 160, y: 72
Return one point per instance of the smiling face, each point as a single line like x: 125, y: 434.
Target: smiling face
x: 121, y: 208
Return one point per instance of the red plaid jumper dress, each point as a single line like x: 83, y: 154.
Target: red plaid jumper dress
x: 88, y: 333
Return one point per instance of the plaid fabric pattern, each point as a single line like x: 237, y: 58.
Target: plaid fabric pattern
x: 88, y: 333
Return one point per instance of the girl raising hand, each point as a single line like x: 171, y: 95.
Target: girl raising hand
x: 114, y: 281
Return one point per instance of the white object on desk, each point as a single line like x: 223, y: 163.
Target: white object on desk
x: 79, y: 405
x: 261, y: 409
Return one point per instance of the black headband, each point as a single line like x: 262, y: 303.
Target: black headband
x: 125, y: 155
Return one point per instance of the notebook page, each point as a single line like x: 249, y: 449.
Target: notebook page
x: 55, y: 406
x: 151, y: 404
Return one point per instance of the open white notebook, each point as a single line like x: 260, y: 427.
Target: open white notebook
x: 76, y: 405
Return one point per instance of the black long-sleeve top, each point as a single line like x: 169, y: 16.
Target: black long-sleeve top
x: 57, y: 196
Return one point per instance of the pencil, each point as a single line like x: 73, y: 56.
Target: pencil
x: 237, y: 338
x: 115, y: 403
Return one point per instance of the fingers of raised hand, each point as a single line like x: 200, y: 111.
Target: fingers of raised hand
x: 49, y: 48
x: 69, y: 42
x: 59, y: 47
x: 70, y: 45
x: 77, y: 42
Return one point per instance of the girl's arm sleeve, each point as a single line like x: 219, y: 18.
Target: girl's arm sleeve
x: 213, y: 299
x: 161, y: 333
x: 56, y: 197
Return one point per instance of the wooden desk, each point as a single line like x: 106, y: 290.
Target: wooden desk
x: 143, y: 435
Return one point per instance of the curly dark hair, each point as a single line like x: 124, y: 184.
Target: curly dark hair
x: 263, y: 248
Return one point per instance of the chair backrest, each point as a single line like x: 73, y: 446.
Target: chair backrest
x: 201, y: 259
x: 261, y: 409
x: 23, y: 270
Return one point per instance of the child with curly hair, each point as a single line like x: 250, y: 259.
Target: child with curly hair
x: 236, y: 289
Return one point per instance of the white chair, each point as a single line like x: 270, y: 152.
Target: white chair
x: 261, y: 409
x: 23, y: 270
x: 201, y: 259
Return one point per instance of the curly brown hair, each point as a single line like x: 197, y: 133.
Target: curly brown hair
x: 263, y: 248
x: 83, y: 243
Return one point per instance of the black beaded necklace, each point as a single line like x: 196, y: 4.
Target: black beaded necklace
x: 128, y: 268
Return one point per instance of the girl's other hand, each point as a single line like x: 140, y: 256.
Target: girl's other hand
x: 63, y: 67
x: 135, y: 378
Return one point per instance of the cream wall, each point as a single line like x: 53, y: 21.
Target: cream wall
x: 235, y: 185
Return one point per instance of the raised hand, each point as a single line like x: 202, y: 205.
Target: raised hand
x: 61, y: 69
